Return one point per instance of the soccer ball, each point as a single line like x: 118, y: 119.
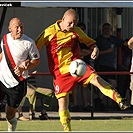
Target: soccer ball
x: 77, y: 68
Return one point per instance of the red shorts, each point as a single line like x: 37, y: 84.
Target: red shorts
x: 65, y: 83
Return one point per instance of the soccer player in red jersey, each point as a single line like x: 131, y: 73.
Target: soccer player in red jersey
x: 61, y: 40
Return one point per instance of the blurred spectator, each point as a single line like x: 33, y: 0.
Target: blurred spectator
x: 34, y: 93
x: 107, y: 60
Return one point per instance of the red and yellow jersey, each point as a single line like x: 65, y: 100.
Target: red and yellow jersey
x: 62, y: 46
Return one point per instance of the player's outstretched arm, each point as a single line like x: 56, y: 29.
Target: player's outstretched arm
x: 95, y: 52
x: 130, y: 43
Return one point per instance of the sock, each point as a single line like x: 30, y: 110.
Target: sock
x: 65, y: 120
x: 131, y: 101
x: 0, y: 123
x: 112, y: 93
x: 12, y: 124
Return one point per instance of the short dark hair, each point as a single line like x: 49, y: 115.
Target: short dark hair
x: 106, y: 24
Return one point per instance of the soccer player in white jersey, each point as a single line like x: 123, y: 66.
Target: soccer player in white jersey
x: 130, y: 45
x: 18, y: 54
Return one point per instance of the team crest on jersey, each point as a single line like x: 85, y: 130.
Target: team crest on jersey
x: 35, y: 55
x: 73, y: 36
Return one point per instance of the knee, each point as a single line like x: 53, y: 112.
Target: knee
x: 99, y: 82
x: 94, y: 79
x: 10, y: 113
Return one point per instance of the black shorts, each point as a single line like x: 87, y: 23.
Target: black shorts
x: 15, y: 94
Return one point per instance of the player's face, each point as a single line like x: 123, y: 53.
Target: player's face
x: 16, y: 28
x: 69, y: 22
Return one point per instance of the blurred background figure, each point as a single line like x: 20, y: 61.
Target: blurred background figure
x: 33, y: 93
x: 107, y: 60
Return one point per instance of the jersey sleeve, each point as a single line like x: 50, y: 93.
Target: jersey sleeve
x: 84, y: 38
x: 33, y: 52
x: 45, y: 37
x: 40, y: 40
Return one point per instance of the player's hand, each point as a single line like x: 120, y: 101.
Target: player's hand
x: 25, y: 64
x: 95, y: 53
x: 22, y: 67
x: 18, y: 70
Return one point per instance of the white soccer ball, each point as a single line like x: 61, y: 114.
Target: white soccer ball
x: 77, y: 68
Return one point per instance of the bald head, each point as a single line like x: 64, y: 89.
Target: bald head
x: 71, y: 12
x: 14, y: 20
x: 69, y: 20
x: 16, y: 28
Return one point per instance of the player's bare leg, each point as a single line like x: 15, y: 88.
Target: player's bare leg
x: 109, y: 91
x: 64, y: 113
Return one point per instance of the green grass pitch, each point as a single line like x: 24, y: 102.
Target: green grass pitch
x: 77, y: 125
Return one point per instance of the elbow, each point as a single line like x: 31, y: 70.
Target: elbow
x: 37, y: 62
x: 130, y: 45
x: 34, y: 63
x: 0, y: 57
